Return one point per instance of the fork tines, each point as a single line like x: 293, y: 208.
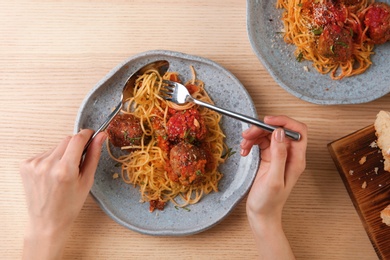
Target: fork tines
x: 166, y: 90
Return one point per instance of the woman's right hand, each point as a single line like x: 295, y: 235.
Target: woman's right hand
x: 282, y: 162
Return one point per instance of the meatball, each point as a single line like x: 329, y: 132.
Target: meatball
x: 377, y: 19
x: 187, y: 163
x: 326, y: 13
x: 335, y: 43
x: 125, y: 130
x: 186, y: 125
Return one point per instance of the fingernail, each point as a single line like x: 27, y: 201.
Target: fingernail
x: 279, y: 135
x: 243, y: 152
x: 246, y: 131
x: 243, y: 142
x: 103, y: 138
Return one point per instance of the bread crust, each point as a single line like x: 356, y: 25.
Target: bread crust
x: 382, y: 131
x: 385, y: 215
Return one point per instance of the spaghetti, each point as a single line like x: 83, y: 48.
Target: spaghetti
x: 333, y: 34
x: 177, y: 155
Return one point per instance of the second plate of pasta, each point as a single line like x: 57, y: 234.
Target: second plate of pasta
x: 299, y: 78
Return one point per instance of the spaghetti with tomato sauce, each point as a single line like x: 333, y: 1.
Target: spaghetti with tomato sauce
x: 338, y: 36
x: 172, y: 152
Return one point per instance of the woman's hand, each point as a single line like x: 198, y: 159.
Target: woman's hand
x: 282, y: 162
x: 57, y: 184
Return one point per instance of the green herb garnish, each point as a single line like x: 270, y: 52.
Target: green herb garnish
x: 342, y: 44
x: 300, y: 57
x: 187, y: 132
x: 189, y: 138
x: 317, y: 31
x: 187, y: 209
x: 228, y: 153
x: 331, y: 49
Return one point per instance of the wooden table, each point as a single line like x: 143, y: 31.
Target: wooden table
x: 54, y: 52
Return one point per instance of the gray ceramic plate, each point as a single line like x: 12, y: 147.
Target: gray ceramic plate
x: 121, y: 201
x: 264, y: 26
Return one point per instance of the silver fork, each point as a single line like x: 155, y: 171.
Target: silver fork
x: 178, y: 93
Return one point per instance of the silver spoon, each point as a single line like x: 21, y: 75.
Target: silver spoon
x: 161, y: 66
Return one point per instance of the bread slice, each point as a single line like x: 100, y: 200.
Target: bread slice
x: 385, y: 215
x: 382, y: 131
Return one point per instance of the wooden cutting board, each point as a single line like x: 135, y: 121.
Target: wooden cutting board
x: 361, y: 168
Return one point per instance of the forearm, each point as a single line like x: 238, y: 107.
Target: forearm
x: 270, y: 238
x: 41, y: 244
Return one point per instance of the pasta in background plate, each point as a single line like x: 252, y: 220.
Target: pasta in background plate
x: 338, y: 36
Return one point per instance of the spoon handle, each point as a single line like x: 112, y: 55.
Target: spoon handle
x: 103, y: 126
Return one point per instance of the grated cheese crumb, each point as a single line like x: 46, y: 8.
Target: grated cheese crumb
x: 115, y: 176
x: 364, y: 185
x: 374, y: 144
x: 363, y: 160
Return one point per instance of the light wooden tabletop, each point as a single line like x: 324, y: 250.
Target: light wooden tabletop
x: 54, y: 52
